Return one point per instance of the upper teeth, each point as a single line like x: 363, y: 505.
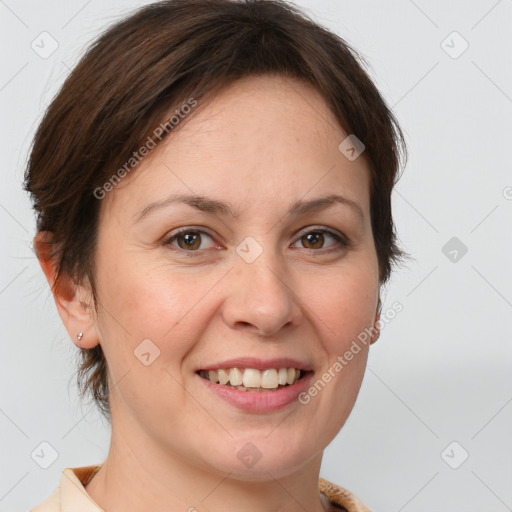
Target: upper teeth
x: 253, y: 378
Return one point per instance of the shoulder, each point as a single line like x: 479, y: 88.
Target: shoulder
x: 341, y: 497
x: 70, y: 493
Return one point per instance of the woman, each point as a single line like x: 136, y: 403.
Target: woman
x: 213, y: 189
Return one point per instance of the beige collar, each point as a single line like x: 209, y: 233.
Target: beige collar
x: 71, y: 495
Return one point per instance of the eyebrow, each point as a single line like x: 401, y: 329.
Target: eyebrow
x: 213, y: 206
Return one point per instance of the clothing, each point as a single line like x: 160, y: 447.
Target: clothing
x: 71, y: 496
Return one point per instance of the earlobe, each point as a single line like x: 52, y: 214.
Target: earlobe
x: 74, y: 302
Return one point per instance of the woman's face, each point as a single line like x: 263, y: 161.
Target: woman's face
x: 263, y: 284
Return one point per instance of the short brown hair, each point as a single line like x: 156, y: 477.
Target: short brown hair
x: 148, y: 64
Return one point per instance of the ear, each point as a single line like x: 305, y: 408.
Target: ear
x: 74, y: 302
x: 376, y: 323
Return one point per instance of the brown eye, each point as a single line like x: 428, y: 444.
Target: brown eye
x: 315, y: 240
x: 188, y: 240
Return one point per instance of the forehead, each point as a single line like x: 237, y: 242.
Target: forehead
x: 259, y: 106
x: 266, y: 135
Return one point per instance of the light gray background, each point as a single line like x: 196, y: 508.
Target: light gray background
x: 441, y: 370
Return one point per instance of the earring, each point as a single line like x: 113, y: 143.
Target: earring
x: 79, y: 335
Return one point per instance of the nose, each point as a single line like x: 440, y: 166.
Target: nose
x: 261, y: 297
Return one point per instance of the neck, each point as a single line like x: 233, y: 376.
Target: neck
x: 140, y: 476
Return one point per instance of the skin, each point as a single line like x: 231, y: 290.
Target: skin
x: 261, y: 144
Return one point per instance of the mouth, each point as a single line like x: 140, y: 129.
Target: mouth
x: 253, y: 379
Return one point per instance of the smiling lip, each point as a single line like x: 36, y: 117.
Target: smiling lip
x: 258, y: 364
x: 259, y: 402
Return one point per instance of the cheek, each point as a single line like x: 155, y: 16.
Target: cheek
x: 151, y: 302
x: 147, y: 328
x: 344, y: 306
x: 343, y: 314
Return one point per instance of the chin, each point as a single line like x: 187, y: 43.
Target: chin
x: 262, y: 458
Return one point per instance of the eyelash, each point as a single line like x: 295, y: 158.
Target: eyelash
x: 342, y: 240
